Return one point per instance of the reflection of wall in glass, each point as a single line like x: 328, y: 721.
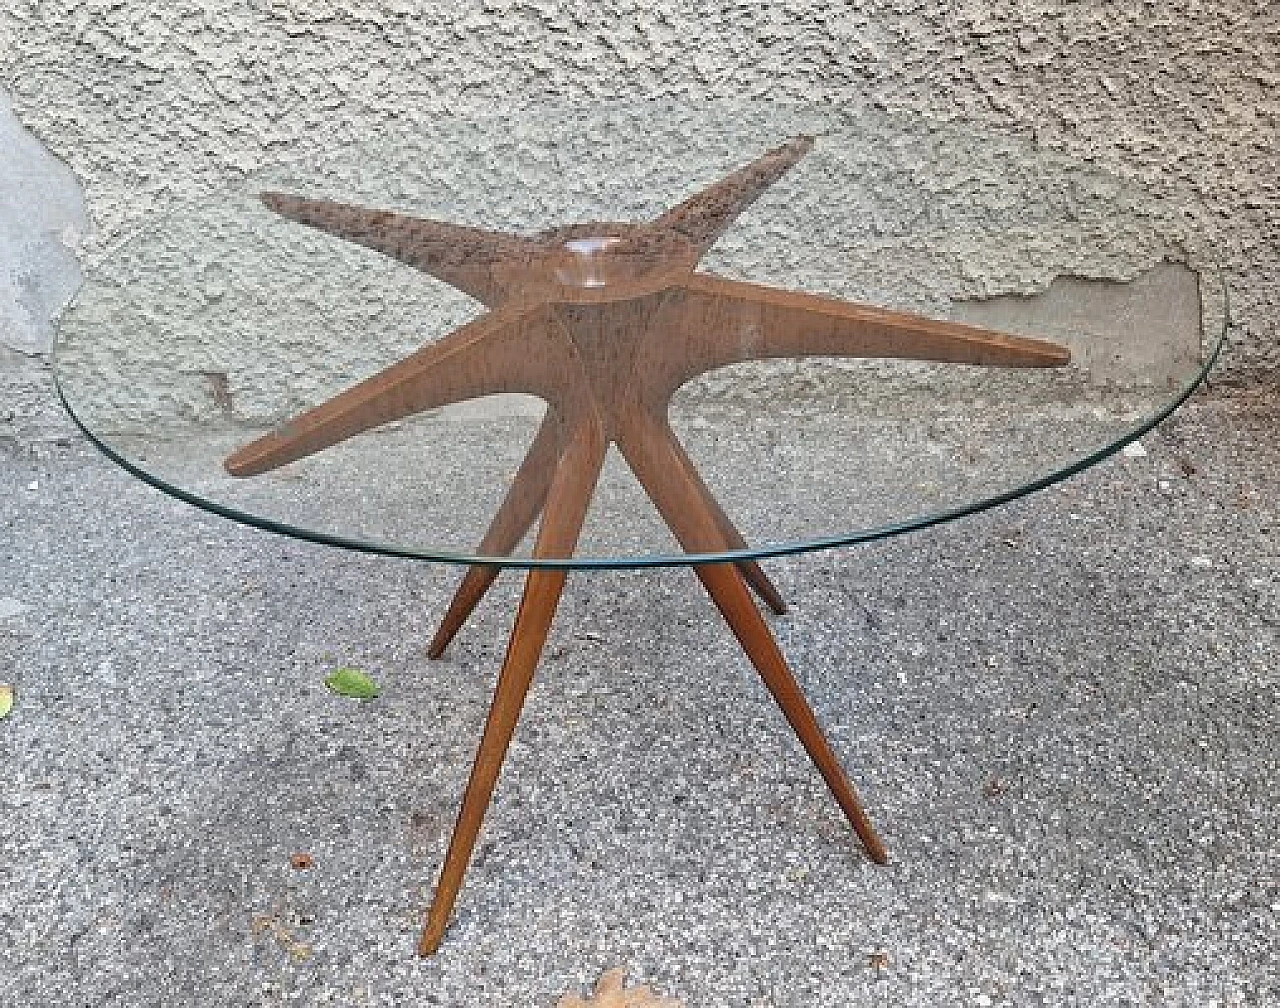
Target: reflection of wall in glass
x: 884, y: 209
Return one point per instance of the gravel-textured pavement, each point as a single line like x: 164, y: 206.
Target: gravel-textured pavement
x: 1062, y: 716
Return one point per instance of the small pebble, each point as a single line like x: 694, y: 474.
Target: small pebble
x: 10, y: 607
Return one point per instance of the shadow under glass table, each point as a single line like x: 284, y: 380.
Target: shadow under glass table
x: 661, y: 335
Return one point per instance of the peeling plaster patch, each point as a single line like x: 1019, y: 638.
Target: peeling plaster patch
x: 42, y: 221
x: 1146, y: 331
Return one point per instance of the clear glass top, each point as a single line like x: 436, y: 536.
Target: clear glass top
x: 622, y: 336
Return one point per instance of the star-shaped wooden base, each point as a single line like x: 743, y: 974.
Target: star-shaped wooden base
x: 605, y: 321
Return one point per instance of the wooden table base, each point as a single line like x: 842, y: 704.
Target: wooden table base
x: 680, y: 496
x: 604, y: 321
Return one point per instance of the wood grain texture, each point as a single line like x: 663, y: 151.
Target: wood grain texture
x: 519, y: 510
x: 729, y: 534
x: 519, y: 348
x: 471, y: 259
x: 706, y: 215
x: 515, y: 516
x: 571, y: 488
x: 622, y: 300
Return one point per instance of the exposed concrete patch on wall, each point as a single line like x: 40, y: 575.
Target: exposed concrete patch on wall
x: 42, y: 221
x: 1147, y: 331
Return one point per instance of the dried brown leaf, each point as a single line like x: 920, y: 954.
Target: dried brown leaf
x: 611, y: 992
x: 296, y: 950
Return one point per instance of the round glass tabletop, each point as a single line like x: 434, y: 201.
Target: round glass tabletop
x: 628, y: 336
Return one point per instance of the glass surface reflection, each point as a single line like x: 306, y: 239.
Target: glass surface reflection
x: 824, y: 328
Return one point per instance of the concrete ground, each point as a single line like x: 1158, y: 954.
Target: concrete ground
x: 1062, y: 716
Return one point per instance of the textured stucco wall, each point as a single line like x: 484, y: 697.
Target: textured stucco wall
x: 150, y: 103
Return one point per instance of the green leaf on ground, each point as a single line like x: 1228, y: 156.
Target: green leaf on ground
x: 350, y: 682
x: 6, y: 700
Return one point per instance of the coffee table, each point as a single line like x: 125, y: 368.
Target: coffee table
x: 787, y: 328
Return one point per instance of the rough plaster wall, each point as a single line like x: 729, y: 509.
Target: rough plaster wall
x: 149, y: 103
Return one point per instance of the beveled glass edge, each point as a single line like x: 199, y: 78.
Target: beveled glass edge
x: 671, y: 560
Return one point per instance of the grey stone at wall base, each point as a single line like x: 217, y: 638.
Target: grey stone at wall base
x: 42, y: 220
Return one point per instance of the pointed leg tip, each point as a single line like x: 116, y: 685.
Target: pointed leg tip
x: 773, y: 599
x: 877, y: 853
x: 432, y: 933
x: 772, y: 603
x: 237, y: 466
x: 435, y: 650
x: 282, y: 202
x: 798, y: 146
x: 271, y: 451
x: 429, y: 944
x: 765, y: 589
x: 245, y: 462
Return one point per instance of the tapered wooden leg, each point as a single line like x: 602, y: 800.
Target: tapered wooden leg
x: 517, y: 513
x: 646, y: 446
x: 751, y: 572
x: 566, y: 507
x: 725, y: 586
x: 519, y: 510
